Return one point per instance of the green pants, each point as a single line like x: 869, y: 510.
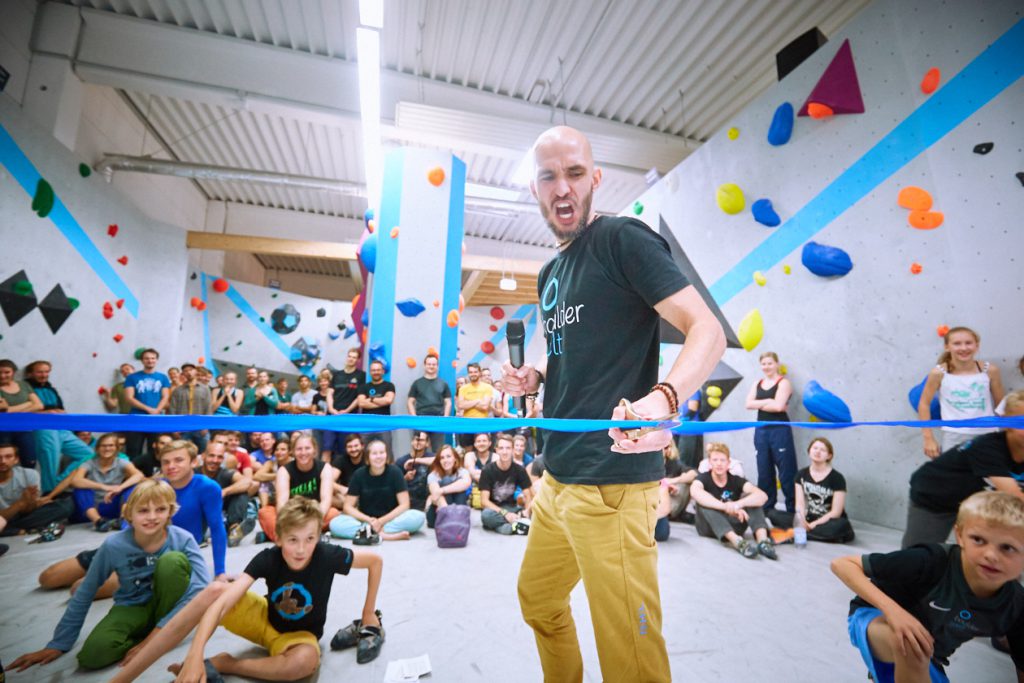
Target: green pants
x: 125, y: 626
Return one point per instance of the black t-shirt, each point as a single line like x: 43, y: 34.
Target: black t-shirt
x: 945, y: 482
x: 370, y: 390
x: 297, y: 600
x: 730, y: 493
x: 928, y: 581
x: 674, y: 467
x: 305, y: 484
x: 224, y: 476
x: 597, y: 305
x: 378, y: 495
x: 430, y: 395
x: 537, y: 466
x: 344, y: 464
x: 320, y: 401
x: 346, y: 387
x: 502, y: 483
x: 818, y: 494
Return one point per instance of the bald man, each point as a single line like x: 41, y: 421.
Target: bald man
x: 601, y: 299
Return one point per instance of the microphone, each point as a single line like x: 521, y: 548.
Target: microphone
x: 515, y: 335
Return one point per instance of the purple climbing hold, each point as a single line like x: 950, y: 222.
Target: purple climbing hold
x: 764, y: 213
x: 782, y: 125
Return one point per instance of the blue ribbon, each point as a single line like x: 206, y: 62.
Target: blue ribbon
x: 15, y: 422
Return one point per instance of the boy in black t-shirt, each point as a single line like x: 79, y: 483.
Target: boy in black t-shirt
x: 915, y: 607
x: 499, y: 482
x: 289, y: 621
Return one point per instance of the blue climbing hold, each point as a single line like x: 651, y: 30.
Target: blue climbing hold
x: 333, y: 335
x: 410, y: 308
x: 764, y: 213
x: 914, y: 396
x: 825, y: 261
x: 379, y: 352
x: 824, y: 405
x: 782, y: 125
x: 368, y: 215
x: 366, y: 317
x: 349, y: 331
x: 368, y: 251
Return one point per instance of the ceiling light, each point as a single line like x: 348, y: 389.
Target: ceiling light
x: 508, y: 284
x: 371, y: 13
x: 490, y: 192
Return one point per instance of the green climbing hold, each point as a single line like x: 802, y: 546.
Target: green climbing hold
x: 274, y: 295
x: 238, y: 315
x: 226, y: 348
x: 72, y: 303
x: 23, y: 288
x: 42, y: 202
x: 84, y: 170
x: 239, y: 343
x: 262, y: 319
x: 638, y: 208
x: 138, y: 352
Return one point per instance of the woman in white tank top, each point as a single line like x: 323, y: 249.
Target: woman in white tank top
x: 967, y: 388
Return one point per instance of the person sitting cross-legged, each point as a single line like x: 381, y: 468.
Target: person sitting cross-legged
x: 234, y: 487
x: 377, y: 502
x: 305, y: 475
x: 22, y: 508
x: 103, y: 483
x: 498, y: 483
x: 448, y: 483
x: 726, y: 504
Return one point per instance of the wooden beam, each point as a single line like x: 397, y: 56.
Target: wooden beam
x: 473, y: 282
x: 270, y: 245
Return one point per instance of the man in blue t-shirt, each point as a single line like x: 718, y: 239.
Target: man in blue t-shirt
x: 148, y: 392
x: 601, y: 300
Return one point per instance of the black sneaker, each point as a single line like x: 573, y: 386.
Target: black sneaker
x: 104, y: 525
x: 349, y: 636
x: 767, y: 548
x: 371, y: 639
x: 50, y: 533
x: 747, y: 550
x: 235, y: 535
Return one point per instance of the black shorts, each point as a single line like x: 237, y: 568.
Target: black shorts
x: 85, y: 558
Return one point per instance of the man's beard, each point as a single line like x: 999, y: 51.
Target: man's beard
x: 565, y: 236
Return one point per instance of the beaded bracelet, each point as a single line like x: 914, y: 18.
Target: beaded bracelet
x: 670, y: 394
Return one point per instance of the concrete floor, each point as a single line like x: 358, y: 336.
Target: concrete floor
x: 726, y: 618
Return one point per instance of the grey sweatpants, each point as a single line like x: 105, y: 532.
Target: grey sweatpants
x: 927, y: 526
x: 716, y: 524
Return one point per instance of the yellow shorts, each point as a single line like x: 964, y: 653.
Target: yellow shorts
x: 248, y: 619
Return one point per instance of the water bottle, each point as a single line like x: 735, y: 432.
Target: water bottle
x: 799, y: 532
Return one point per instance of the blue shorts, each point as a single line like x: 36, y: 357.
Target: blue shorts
x: 881, y: 672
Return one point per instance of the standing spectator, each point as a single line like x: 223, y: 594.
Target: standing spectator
x: 192, y: 398
x: 726, y: 504
x: 448, y: 482
x: 53, y: 446
x: 234, y: 488
x: 285, y: 405
x: 966, y: 386
x: 116, y: 400
x: 345, y: 385
x: 148, y: 393
x: 261, y: 399
x: 430, y: 395
x: 22, y: 509
x: 251, y: 380
x: 774, y: 444
x: 302, y: 400
x: 227, y: 399
x: 103, y: 484
x: 375, y: 398
x: 474, y: 399
x: 415, y: 466
x: 377, y: 502
x: 17, y: 396
x: 498, y: 484
x: 174, y: 374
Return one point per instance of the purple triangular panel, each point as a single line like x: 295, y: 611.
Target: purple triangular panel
x: 838, y: 87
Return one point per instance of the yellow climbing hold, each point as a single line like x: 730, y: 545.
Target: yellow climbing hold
x: 783, y: 369
x: 786, y: 269
x: 733, y: 133
x: 714, y: 391
x: 714, y: 401
x: 759, y: 278
x: 730, y: 198
x: 751, y: 330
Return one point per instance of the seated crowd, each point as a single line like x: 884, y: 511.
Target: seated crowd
x: 160, y: 497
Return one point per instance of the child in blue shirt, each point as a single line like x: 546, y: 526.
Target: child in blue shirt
x: 159, y: 569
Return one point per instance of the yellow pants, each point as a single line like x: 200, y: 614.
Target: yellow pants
x: 248, y: 619
x: 603, y: 535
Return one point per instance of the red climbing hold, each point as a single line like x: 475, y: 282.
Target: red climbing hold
x: 102, y: 390
x: 112, y: 229
x: 118, y: 337
x: 108, y: 310
x: 487, y: 347
x: 194, y: 301
x: 120, y: 303
x: 930, y: 82
x: 497, y: 312
x: 201, y: 306
x: 493, y: 328
x: 220, y: 285
x: 123, y: 260
x: 915, y: 268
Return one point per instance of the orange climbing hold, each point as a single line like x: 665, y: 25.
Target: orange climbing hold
x: 925, y: 220
x: 394, y: 232
x: 201, y: 360
x: 930, y: 82
x: 462, y: 303
x: 914, y: 198
x: 453, y: 318
x: 431, y: 351
x: 436, y: 176
x: 437, y: 304
x: 915, y: 268
x: 942, y: 330
x: 201, y: 306
x: 410, y: 361
x: 371, y: 226
x: 817, y: 110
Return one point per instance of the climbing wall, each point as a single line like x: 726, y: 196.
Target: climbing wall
x: 87, y: 278
x: 865, y: 329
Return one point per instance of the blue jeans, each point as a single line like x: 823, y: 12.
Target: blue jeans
x: 775, y: 449
x: 344, y: 526
x: 86, y: 498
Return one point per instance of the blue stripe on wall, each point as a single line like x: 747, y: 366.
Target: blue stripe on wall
x: 207, y: 355
x: 991, y: 72
x: 452, y: 269
x: 28, y: 177
x: 385, y: 272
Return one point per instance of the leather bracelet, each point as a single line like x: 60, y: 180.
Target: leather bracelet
x: 539, y: 374
x: 670, y: 394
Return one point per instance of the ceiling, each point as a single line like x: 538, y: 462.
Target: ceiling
x: 648, y: 80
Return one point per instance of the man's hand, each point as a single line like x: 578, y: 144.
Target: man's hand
x: 519, y: 381
x: 44, y: 656
x: 29, y: 498
x: 651, y: 406
x: 410, y: 475
x: 192, y: 670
